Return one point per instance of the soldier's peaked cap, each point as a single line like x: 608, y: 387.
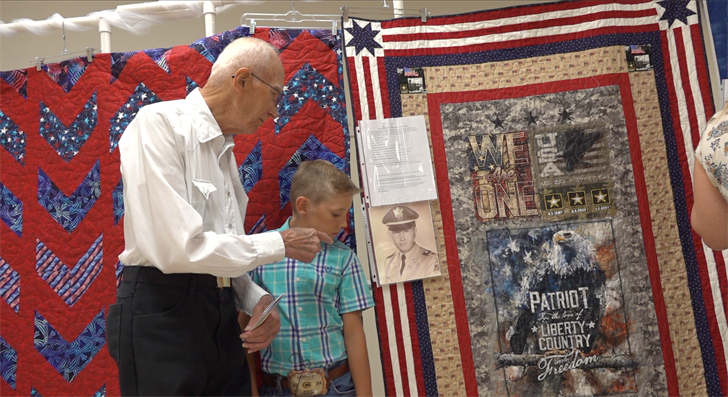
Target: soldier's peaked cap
x: 400, y: 215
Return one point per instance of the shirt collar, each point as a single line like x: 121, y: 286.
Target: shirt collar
x: 286, y: 225
x: 208, y: 129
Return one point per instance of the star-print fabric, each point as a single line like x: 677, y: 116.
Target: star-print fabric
x: 563, y: 137
x: 61, y: 192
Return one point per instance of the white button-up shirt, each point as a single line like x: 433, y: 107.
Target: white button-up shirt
x: 183, y: 199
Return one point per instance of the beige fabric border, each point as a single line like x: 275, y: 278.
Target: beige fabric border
x: 673, y: 276
x: 438, y: 295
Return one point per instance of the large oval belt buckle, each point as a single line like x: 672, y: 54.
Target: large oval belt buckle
x: 308, y: 383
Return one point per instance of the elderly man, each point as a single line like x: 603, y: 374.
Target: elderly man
x: 411, y: 261
x: 174, y: 329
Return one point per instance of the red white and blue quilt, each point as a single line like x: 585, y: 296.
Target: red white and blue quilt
x: 61, y: 202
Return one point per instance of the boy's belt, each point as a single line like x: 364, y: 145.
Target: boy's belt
x: 334, y: 373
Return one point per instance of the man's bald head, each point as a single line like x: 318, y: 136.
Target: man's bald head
x: 255, y: 54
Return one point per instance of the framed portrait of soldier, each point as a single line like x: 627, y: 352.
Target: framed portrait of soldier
x: 403, y: 237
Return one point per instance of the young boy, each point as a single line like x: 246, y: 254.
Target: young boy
x: 321, y: 325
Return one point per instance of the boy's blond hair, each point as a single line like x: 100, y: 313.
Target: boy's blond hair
x: 319, y: 180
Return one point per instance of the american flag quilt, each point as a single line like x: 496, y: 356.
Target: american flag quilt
x: 562, y: 138
x: 61, y: 202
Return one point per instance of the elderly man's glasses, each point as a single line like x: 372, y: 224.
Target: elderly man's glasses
x: 278, y: 92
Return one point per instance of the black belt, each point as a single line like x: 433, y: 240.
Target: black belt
x: 152, y: 275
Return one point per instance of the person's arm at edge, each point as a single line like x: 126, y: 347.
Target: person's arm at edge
x: 243, y: 320
x: 710, y: 211
x: 356, y: 351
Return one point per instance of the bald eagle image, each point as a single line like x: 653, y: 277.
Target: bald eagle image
x: 561, y: 299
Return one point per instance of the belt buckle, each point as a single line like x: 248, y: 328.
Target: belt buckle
x: 223, y: 282
x: 308, y: 383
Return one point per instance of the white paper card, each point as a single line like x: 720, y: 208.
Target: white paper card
x: 397, y: 160
x: 267, y: 312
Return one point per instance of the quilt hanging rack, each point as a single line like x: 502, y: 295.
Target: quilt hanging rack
x: 64, y: 55
x: 251, y: 19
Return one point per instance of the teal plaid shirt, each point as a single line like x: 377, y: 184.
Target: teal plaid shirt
x: 317, y: 294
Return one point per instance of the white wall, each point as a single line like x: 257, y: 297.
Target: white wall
x: 17, y: 51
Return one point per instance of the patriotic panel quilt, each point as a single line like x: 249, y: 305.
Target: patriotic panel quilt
x: 563, y: 139
x: 61, y: 202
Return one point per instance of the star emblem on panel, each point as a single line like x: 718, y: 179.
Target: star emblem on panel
x: 600, y: 196
x: 553, y: 201
x: 577, y: 198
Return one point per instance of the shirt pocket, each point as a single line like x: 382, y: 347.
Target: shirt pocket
x: 204, y: 187
x: 203, y: 201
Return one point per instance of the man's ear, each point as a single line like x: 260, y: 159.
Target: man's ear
x: 242, y: 77
x: 302, y: 205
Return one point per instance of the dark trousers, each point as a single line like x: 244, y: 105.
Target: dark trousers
x: 176, y: 335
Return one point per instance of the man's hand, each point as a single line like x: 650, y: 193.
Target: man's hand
x: 262, y: 336
x: 304, y: 243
